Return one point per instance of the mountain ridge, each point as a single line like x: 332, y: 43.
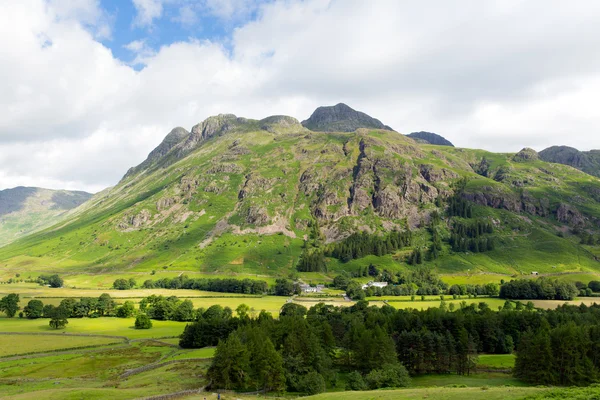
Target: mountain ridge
x: 235, y: 195
x: 24, y: 210
x: 586, y: 161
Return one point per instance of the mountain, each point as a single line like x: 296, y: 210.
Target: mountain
x: 24, y: 210
x: 431, y: 138
x: 341, y: 118
x: 236, y: 195
x: 586, y: 161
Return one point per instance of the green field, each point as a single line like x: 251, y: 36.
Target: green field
x: 97, y: 326
x: 496, y: 361
x: 476, y: 393
x: 26, y: 344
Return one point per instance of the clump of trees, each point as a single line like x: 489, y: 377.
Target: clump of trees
x: 541, y: 288
x: 53, y: 281
x: 459, y: 207
x: 167, y: 308
x: 227, y: 285
x: 355, y: 246
x: 285, y: 287
x: 472, y: 236
x: 124, y: 284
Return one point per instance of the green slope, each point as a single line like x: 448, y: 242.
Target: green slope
x: 238, y: 196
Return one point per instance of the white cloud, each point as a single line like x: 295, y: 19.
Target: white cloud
x: 147, y: 11
x: 142, y: 51
x: 231, y: 9
x: 87, y: 12
x: 497, y: 75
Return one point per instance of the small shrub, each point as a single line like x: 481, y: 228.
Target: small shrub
x: 142, y: 321
x: 390, y: 375
x: 355, y: 381
x: 312, y: 383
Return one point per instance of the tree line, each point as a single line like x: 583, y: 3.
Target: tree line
x: 68, y: 308
x: 224, y: 285
x: 541, y: 288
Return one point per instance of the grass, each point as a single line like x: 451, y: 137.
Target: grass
x: 206, y: 352
x: 95, y: 375
x: 473, y: 380
x: 474, y: 393
x: 26, y: 344
x: 98, y: 326
x: 493, y: 303
x: 496, y: 361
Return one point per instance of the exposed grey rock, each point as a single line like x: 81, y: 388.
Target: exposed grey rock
x: 165, y: 203
x: 432, y: 174
x: 211, y: 126
x: 227, y: 168
x: 569, y: 215
x: 256, y: 215
x: 135, y: 221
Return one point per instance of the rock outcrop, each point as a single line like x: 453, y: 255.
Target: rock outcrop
x: 525, y: 155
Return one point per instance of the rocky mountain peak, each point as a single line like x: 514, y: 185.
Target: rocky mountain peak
x: 341, y: 118
x: 277, y: 123
x: 430, y: 138
x: 526, y: 154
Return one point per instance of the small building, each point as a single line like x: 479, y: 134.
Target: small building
x: 375, y: 284
x: 311, y: 289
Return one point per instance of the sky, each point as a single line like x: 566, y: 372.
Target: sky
x: 89, y: 87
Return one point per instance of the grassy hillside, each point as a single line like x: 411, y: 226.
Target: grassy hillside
x: 237, y: 196
x: 24, y: 210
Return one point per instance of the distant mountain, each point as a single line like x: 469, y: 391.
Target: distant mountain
x: 430, y: 138
x: 586, y: 161
x: 341, y: 118
x: 24, y: 210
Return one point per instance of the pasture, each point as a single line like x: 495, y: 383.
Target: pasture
x: 11, y: 345
x: 97, y: 326
x: 443, y: 393
x: 496, y: 361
